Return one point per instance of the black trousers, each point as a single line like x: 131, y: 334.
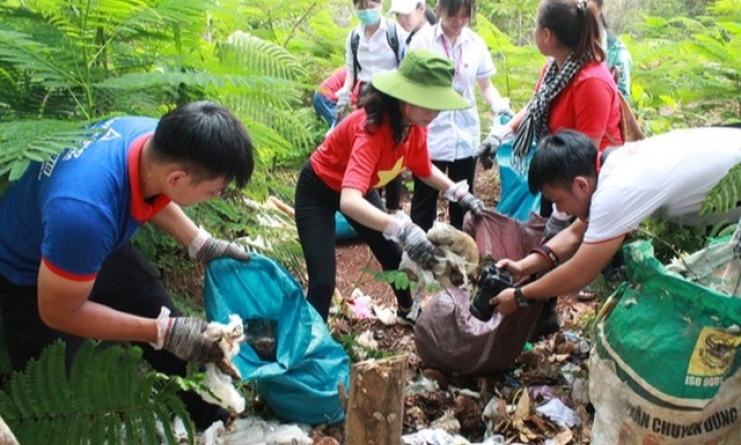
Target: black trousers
x: 424, y: 199
x: 316, y: 205
x: 127, y: 283
x: 392, y: 192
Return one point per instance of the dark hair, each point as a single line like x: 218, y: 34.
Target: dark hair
x: 208, y: 140
x: 561, y: 157
x: 357, y: 2
x: 451, y: 7
x: 430, y: 14
x: 379, y: 105
x: 575, y: 23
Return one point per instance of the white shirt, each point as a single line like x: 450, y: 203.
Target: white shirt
x: 456, y: 134
x: 669, y: 175
x: 374, y: 53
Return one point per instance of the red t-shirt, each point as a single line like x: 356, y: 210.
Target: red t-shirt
x: 331, y: 84
x: 351, y: 157
x: 588, y: 104
x: 334, y: 82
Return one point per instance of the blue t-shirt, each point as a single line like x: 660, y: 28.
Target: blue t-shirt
x: 79, y: 206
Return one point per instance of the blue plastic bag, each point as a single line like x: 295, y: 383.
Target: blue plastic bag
x: 515, y: 200
x: 298, y: 376
x: 344, y: 232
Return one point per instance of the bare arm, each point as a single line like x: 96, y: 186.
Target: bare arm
x: 173, y: 221
x: 64, y: 306
x: 438, y: 180
x: 576, y: 273
x: 564, y: 245
x: 489, y: 92
x: 517, y: 119
x: 354, y: 205
x: 569, y: 277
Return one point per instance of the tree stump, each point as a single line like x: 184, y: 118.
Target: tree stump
x: 375, y: 409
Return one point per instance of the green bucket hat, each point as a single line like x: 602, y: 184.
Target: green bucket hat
x: 424, y: 79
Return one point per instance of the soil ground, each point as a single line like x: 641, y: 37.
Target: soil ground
x: 538, y: 368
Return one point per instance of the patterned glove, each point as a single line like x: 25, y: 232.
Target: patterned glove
x: 488, y: 148
x: 554, y: 225
x: 184, y: 337
x: 416, y: 244
x: 205, y: 248
x: 472, y: 203
x: 343, y: 105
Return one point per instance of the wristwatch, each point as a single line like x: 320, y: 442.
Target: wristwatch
x: 520, y: 299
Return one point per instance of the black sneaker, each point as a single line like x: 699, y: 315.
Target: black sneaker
x: 408, y: 317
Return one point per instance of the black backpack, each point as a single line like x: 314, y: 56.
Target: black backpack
x: 391, y: 38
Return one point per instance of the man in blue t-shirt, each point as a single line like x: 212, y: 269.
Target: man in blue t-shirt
x: 67, y: 269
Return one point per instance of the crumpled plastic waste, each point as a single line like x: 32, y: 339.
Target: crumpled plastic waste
x: 430, y: 436
x: 221, y: 390
x: 256, y: 431
x: 559, y: 413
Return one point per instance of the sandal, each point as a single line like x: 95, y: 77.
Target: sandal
x: 586, y: 293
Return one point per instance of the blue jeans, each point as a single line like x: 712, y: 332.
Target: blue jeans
x: 325, y: 108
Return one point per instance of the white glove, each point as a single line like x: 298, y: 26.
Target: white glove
x: 459, y: 193
x: 416, y: 244
x: 488, y: 147
x: 501, y: 106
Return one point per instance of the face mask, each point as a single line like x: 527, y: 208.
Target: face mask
x: 369, y: 16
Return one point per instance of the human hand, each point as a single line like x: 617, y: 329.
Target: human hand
x: 515, y: 268
x: 205, y: 248
x: 416, y: 244
x: 488, y: 147
x: 218, y: 248
x: 473, y: 204
x: 505, y: 303
x: 343, y: 104
x: 554, y: 226
x: 615, y: 71
x: 185, y: 338
x: 501, y: 106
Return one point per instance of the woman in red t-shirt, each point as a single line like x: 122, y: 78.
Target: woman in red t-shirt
x: 575, y: 91
x: 364, y: 152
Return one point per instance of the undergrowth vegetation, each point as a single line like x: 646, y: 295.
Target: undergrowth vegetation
x: 65, y: 64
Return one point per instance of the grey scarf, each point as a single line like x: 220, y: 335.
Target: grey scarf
x: 535, y: 124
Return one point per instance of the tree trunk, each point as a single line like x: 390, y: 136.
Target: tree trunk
x: 376, y: 405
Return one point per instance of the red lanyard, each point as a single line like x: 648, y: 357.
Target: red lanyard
x: 449, y: 55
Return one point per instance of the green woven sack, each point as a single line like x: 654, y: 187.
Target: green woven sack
x: 673, y: 341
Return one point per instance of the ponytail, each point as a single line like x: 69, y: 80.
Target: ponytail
x: 575, y: 23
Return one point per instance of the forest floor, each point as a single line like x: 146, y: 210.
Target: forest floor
x: 554, y: 367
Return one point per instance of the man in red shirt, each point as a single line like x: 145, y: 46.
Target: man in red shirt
x: 325, y: 98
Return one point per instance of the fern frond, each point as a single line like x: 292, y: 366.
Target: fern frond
x: 260, y: 57
x: 26, y: 141
x: 726, y: 193
x: 24, y: 53
x: 118, y: 398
